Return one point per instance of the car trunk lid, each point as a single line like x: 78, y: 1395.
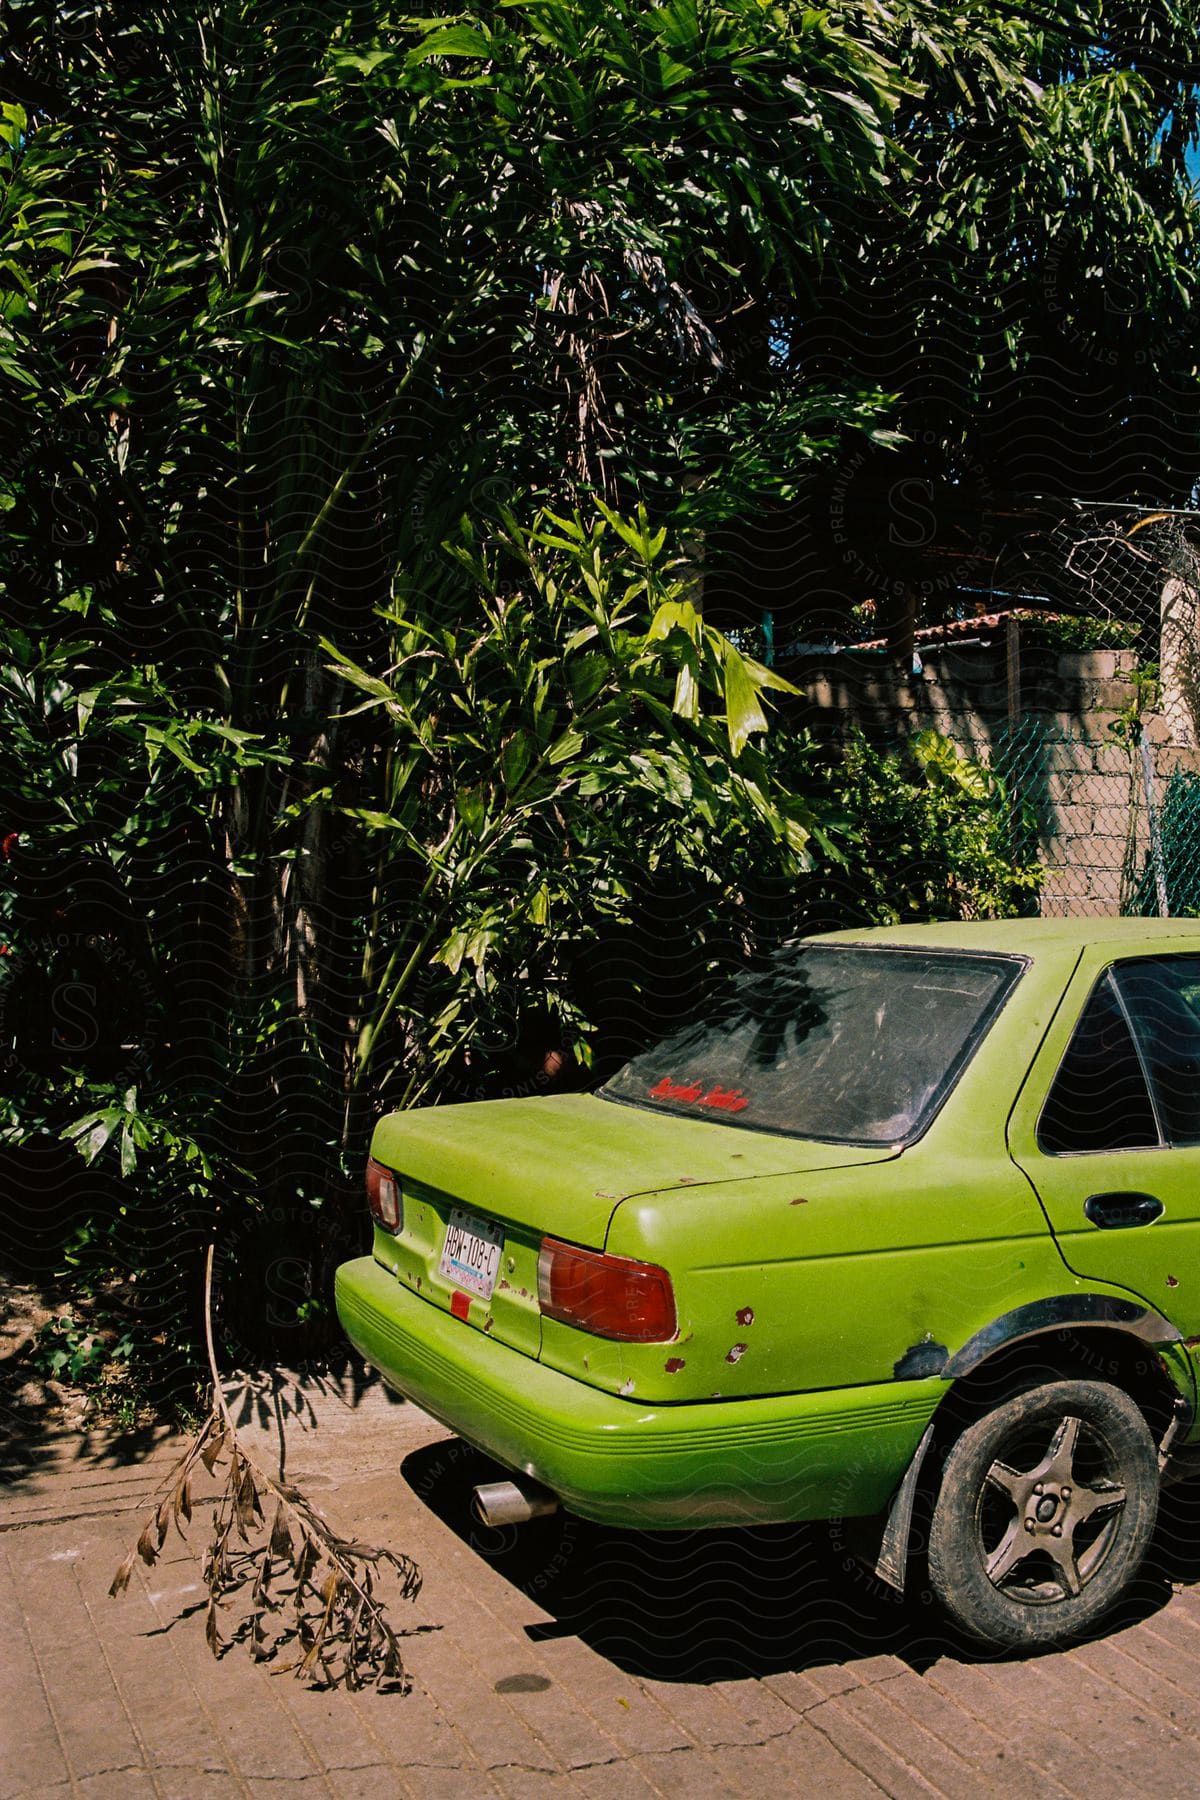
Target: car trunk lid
x: 561, y: 1164
x: 510, y: 1172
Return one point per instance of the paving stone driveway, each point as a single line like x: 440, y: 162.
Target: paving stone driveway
x: 560, y: 1659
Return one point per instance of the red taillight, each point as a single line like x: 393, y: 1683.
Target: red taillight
x: 383, y: 1197
x: 610, y: 1296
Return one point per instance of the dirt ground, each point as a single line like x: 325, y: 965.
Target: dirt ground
x: 28, y: 1397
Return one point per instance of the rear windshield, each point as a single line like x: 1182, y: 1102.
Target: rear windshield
x: 846, y: 1044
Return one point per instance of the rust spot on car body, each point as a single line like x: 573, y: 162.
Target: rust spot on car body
x: 745, y: 1315
x: 921, y: 1360
x: 801, y: 1200
x: 673, y: 1364
x: 736, y: 1352
x: 502, y: 1283
x: 1172, y: 1281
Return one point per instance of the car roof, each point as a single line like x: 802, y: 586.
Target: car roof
x: 1028, y: 937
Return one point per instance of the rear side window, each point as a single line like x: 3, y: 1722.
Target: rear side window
x: 1099, y: 1099
x: 1162, y: 1000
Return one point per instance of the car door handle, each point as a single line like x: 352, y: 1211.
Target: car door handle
x: 1117, y: 1211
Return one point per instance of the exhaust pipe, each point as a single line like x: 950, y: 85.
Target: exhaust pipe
x: 512, y: 1502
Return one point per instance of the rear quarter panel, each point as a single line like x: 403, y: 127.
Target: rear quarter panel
x: 789, y: 1284
x: 869, y: 1276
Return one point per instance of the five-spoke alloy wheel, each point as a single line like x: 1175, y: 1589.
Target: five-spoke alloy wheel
x: 1045, y: 1510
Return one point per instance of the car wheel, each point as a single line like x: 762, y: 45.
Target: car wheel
x: 1045, y: 1510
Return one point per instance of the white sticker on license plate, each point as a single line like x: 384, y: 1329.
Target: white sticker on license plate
x: 471, y: 1254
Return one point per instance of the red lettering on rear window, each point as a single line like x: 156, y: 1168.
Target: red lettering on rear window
x: 726, y: 1099
x: 721, y: 1099
x: 667, y: 1089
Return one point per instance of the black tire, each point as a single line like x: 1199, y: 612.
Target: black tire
x: 1076, y: 1455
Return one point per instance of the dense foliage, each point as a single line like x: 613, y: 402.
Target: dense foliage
x: 375, y: 388
x: 930, y: 834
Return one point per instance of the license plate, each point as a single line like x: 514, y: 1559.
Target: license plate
x: 471, y: 1254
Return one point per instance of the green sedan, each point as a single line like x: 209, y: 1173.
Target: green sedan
x: 905, y: 1230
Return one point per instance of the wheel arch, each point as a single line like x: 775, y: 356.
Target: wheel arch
x: 1098, y: 1337
x: 1056, y: 1313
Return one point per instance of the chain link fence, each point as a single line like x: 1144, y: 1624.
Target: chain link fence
x: 1118, y: 576
x: 1114, y: 822
x: 1113, y: 796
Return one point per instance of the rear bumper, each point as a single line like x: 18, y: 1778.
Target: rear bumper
x: 838, y: 1453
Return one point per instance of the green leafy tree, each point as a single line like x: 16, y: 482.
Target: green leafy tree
x: 587, y: 752
x: 1025, y: 287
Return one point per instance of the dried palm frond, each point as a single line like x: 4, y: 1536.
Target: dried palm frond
x: 308, y: 1595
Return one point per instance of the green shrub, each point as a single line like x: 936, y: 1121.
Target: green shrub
x: 926, y: 833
